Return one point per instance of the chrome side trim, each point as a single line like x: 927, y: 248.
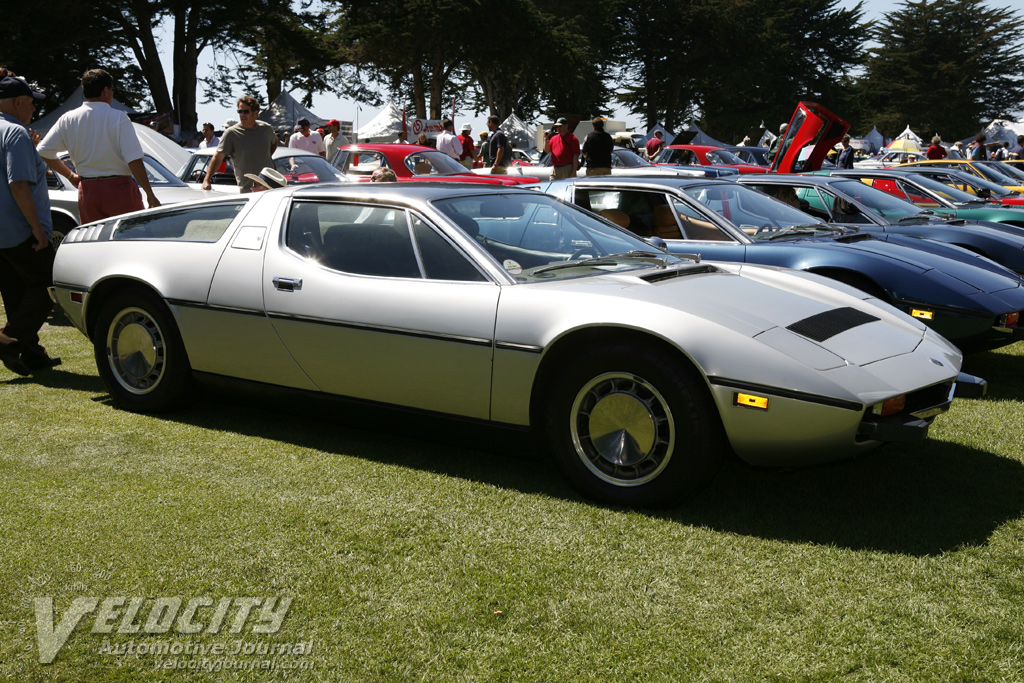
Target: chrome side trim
x: 787, y: 393
x: 181, y: 303
x: 512, y: 346
x: 421, y: 334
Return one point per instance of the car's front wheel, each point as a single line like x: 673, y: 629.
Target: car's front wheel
x: 139, y: 352
x: 634, y: 426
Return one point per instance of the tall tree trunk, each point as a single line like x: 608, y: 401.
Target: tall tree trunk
x: 143, y: 43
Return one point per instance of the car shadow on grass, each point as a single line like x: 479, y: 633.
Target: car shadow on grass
x: 1004, y: 373
x: 917, y: 499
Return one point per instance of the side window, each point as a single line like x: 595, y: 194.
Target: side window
x: 696, y: 226
x: 353, y: 238
x: 363, y: 162
x: 441, y: 260
x: 194, y: 224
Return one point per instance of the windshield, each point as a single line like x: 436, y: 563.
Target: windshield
x: 751, y: 211
x: 433, y: 163
x: 624, y: 158
x: 996, y: 175
x: 159, y: 174
x: 678, y: 156
x: 301, y: 169
x: 943, y: 190
x: 720, y: 157
x: 975, y: 182
x: 1015, y: 174
x: 527, y: 234
x: 878, y: 201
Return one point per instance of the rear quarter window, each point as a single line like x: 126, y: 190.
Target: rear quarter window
x: 190, y: 224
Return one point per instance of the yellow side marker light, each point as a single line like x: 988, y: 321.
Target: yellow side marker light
x: 923, y: 315
x: 750, y: 401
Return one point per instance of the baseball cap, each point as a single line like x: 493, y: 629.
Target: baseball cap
x: 562, y: 121
x: 334, y: 122
x: 302, y: 122
x: 12, y: 86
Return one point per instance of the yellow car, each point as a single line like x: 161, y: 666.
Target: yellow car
x: 989, y: 170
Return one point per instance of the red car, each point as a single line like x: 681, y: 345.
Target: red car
x: 812, y: 132
x: 411, y: 163
x: 705, y: 155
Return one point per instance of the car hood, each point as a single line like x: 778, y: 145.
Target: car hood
x: 785, y: 309
x: 176, y: 195
x: 960, y: 270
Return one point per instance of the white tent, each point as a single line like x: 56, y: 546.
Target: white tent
x: 666, y: 136
x: 285, y: 110
x: 518, y: 133
x: 909, y: 135
x: 873, y: 141
x: 384, y: 127
x: 1004, y: 131
x: 74, y: 102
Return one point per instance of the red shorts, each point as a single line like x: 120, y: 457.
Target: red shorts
x: 106, y: 197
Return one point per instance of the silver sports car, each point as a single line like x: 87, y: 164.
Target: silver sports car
x: 637, y: 368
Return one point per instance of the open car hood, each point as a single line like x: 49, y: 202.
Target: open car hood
x: 814, y: 125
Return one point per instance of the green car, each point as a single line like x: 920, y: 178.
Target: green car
x: 934, y: 195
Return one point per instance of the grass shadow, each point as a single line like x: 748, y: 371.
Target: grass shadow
x: 58, y: 378
x: 916, y: 499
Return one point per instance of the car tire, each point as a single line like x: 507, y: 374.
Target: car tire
x: 61, y: 227
x: 634, y: 426
x: 139, y: 353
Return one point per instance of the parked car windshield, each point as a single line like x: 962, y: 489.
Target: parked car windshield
x: 433, y: 163
x: 752, y: 211
x: 538, y: 238
x: 882, y: 203
x: 721, y: 157
x: 301, y: 169
x: 625, y: 158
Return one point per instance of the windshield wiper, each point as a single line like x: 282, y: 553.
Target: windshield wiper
x: 661, y: 260
x: 806, y: 228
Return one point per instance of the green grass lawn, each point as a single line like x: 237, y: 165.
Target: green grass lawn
x: 410, y: 555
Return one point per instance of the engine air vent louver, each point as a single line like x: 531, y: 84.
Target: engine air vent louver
x: 679, y: 272
x: 826, y: 325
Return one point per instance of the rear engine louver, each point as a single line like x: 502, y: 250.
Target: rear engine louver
x: 830, y: 323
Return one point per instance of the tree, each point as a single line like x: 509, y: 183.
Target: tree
x: 944, y: 66
x: 54, y: 51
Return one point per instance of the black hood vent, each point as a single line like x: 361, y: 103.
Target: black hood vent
x: 826, y: 325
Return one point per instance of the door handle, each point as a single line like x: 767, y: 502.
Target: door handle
x: 288, y: 284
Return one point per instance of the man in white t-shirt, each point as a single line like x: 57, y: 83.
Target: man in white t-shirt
x: 448, y: 141
x: 307, y: 139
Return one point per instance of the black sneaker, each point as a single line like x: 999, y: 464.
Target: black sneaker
x: 39, y: 360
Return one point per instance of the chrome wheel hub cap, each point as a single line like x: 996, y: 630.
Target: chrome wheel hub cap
x: 622, y: 429
x: 135, y: 350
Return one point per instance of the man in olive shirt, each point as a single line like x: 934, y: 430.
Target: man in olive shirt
x: 250, y: 145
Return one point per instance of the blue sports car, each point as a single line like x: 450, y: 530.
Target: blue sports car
x: 855, y: 204
x: 971, y: 300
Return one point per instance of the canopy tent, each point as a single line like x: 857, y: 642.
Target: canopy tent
x: 872, y: 142
x: 76, y: 100
x: 666, y: 136
x: 908, y: 134
x: 518, y: 133
x: 384, y: 127
x: 696, y: 136
x: 285, y: 110
x: 1004, y: 131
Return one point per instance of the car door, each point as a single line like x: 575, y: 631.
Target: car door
x: 376, y: 303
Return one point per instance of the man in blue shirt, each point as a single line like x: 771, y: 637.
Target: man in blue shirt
x: 26, y: 250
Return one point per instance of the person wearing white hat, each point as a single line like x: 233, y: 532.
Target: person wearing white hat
x: 267, y: 179
x: 466, y: 138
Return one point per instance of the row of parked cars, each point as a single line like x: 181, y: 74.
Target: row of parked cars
x: 642, y: 327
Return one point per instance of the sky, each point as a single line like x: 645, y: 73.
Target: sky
x: 328, y: 105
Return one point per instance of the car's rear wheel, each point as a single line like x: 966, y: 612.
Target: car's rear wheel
x: 61, y: 227
x: 634, y: 426
x: 139, y: 352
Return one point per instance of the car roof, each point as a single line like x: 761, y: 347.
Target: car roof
x: 665, y: 181
x: 422, y: 191
x: 278, y: 153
